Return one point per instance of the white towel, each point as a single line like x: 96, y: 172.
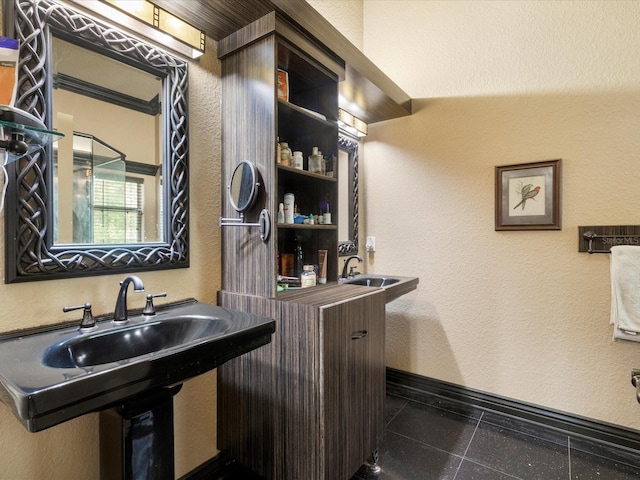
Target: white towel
x: 625, y: 292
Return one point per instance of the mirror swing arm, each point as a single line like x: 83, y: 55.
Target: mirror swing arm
x: 263, y: 223
x: 29, y: 218
x: 242, y: 192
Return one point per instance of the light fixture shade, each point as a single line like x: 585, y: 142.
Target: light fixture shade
x: 351, y: 125
x: 155, y: 23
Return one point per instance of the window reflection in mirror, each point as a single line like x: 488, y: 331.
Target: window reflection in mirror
x: 108, y: 179
x: 243, y: 187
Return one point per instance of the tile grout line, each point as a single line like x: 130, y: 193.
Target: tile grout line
x: 397, y: 413
x: 464, y: 455
x: 569, y: 454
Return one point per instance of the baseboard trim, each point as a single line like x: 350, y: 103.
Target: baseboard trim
x: 411, y: 385
x: 406, y: 383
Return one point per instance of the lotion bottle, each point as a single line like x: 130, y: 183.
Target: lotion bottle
x: 281, y: 213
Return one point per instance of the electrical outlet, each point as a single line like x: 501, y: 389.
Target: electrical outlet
x: 370, y: 245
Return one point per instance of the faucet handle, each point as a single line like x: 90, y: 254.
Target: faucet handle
x: 149, y: 308
x: 87, y: 317
x: 352, y: 271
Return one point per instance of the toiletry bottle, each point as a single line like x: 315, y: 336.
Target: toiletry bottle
x: 311, y: 219
x: 278, y: 151
x: 322, y: 266
x: 289, y: 202
x: 327, y: 215
x: 329, y: 163
x: 314, y: 161
x: 298, y: 260
x: 281, y: 213
x: 308, y: 277
x: 298, y: 161
x: 285, y: 154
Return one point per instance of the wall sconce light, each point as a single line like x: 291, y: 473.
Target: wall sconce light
x: 351, y: 125
x: 151, y: 21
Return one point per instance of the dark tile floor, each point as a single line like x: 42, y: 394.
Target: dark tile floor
x: 429, y: 438
x: 436, y: 439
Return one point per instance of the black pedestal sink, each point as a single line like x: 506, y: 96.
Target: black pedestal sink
x: 51, y: 375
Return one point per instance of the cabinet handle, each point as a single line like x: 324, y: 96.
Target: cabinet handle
x: 359, y: 334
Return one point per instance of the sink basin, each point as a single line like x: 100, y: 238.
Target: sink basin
x: 116, y: 344
x: 51, y: 375
x: 369, y: 281
x: 393, y: 285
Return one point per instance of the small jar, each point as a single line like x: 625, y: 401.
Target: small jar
x: 308, y: 277
x: 298, y: 161
x: 285, y: 154
x: 315, y: 161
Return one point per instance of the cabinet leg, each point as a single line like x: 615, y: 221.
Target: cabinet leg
x: 372, y: 462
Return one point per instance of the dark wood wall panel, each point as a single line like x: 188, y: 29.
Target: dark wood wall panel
x: 270, y: 397
x: 248, y: 133
x: 248, y: 389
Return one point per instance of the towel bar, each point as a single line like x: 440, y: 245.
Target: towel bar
x: 616, y: 240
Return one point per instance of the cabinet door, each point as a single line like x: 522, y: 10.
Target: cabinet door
x: 354, y: 382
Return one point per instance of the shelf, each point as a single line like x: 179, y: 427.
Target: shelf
x: 23, y: 130
x: 305, y: 173
x: 303, y: 226
x: 316, y: 116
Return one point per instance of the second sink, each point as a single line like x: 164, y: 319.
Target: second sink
x: 369, y: 281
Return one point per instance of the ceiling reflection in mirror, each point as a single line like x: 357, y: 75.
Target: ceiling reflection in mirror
x: 107, y: 169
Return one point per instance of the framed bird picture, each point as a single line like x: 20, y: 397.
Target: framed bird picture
x: 528, y: 196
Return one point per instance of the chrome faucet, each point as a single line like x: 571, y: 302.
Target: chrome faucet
x: 120, y: 314
x: 346, y: 264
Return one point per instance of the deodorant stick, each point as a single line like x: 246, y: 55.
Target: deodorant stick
x: 289, y: 204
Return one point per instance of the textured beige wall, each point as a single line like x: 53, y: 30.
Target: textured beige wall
x: 518, y: 314
x: 71, y: 450
x: 345, y: 15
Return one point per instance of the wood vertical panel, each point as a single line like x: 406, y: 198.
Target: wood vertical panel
x: 301, y: 393
x: 269, y: 399
x: 248, y: 133
x: 248, y: 395
x: 354, y: 382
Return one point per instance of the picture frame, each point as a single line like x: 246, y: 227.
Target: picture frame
x: 528, y: 196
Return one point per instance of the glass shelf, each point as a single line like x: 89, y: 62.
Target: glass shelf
x: 24, y: 129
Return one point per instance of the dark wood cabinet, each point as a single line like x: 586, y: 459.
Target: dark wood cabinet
x: 310, y: 404
x: 254, y: 120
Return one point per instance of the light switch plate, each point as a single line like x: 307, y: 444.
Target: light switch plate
x: 370, y: 245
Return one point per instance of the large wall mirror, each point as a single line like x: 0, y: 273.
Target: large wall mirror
x: 112, y: 195
x: 348, y: 186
